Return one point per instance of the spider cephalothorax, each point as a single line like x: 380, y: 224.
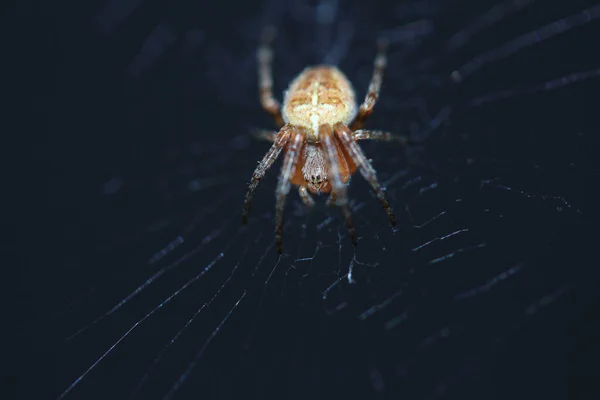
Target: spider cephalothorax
x: 320, y: 125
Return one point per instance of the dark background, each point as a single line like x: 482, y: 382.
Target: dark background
x: 135, y: 127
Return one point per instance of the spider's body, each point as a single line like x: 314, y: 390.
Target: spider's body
x: 320, y: 124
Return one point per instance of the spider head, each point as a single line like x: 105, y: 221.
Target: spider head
x: 314, y: 171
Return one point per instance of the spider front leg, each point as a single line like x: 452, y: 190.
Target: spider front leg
x: 260, y: 171
x: 264, y: 135
x: 290, y: 163
x: 345, y: 136
x: 366, y: 107
x: 338, y: 187
x: 265, y: 76
x: 383, y: 136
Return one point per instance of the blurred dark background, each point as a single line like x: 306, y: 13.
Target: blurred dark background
x: 135, y: 119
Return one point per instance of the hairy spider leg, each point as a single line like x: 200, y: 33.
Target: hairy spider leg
x: 290, y: 163
x: 345, y: 136
x: 264, y: 134
x: 383, y: 136
x: 282, y: 139
x: 366, y: 107
x: 306, y: 197
x: 338, y: 187
x: 265, y: 76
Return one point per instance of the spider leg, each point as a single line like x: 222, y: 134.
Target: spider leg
x: 306, y: 197
x: 265, y: 76
x: 292, y: 157
x: 264, y: 134
x: 371, y: 98
x: 282, y: 138
x: 327, y: 138
x: 345, y: 136
x: 382, y: 136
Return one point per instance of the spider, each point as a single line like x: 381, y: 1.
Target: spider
x: 319, y: 127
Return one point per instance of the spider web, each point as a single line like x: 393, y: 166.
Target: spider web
x: 157, y: 291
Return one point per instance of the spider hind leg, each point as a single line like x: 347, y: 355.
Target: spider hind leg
x: 345, y: 136
x: 338, y: 186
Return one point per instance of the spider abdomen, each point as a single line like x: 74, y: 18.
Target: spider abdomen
x: 319, y: 95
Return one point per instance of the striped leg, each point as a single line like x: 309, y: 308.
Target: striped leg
x: 382, y: 136
x: 292, y: 157
x: 371, y: 98
x: 366, y: 169
x: 338, y: 187
x: 265, y: 76
x: 260, y: 171
x: 264, y: 135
